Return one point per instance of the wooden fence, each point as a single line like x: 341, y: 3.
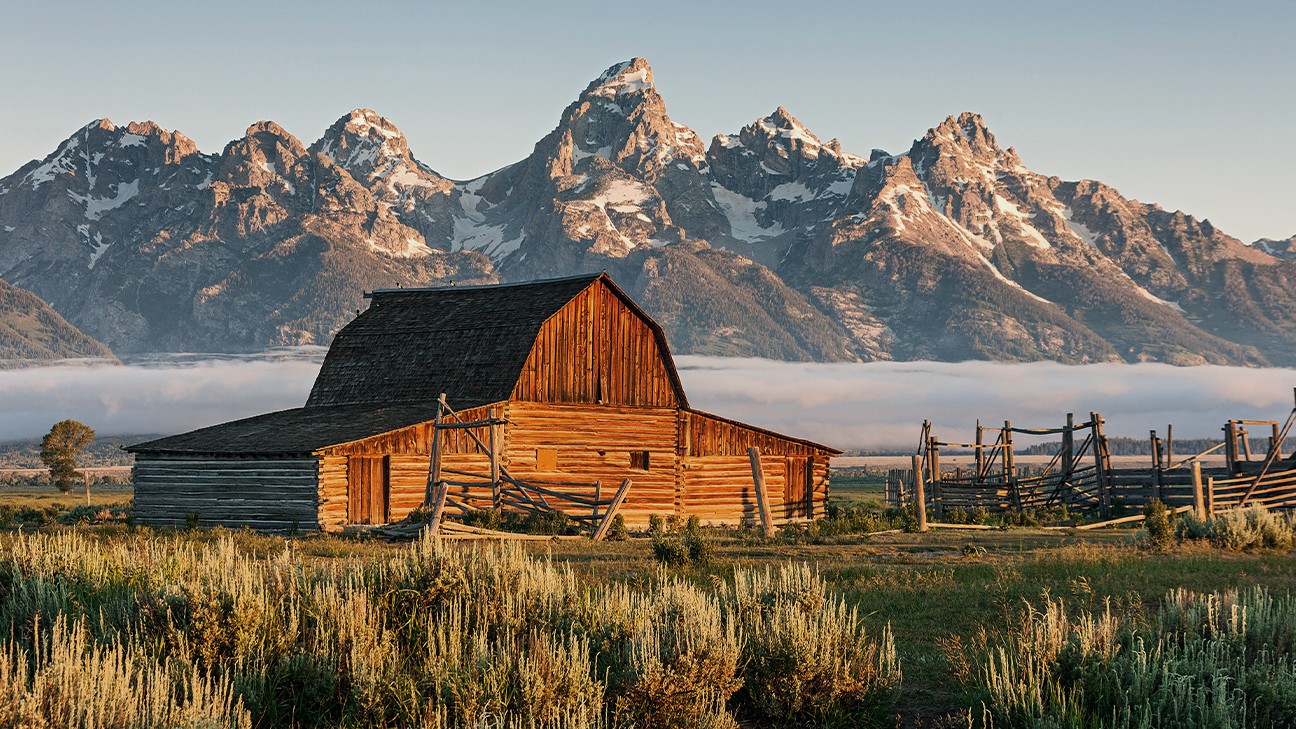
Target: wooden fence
x: 1081, y: 476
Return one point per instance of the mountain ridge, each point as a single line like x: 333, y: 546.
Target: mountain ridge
x: 765, y: 242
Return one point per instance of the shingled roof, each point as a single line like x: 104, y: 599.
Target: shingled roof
x: 411, y: 345
x: 299, y: 431
x: 386, y: 369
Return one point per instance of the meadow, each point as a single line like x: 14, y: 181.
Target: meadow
x: 107, y: 624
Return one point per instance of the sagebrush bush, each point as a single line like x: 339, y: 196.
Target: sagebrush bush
x: 673, y: 544
x: 1202, y: 660
x: 809, y: 658
x: 1254, y: 527
x: 431, y: 635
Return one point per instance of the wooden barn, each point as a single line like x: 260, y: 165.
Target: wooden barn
x: 555, y: 394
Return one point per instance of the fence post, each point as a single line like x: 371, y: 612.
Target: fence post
x: 1199, y: 499
x: 919, y: 497
x: 434, y: 458
x: 762, y: 499
x: 1210, y: 497
x: 933, y: 458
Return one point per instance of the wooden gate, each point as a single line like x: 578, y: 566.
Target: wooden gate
x: 797, y: 488
x: 369, y: 489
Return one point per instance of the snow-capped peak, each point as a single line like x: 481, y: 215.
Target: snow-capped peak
x: 624, y: 79
x: 369, y: 122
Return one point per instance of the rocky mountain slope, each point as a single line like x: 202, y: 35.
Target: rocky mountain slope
x: 32, y: 332
x: 767, y: 242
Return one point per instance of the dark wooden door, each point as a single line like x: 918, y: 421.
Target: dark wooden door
x: 797, y: 488
x: 368, y: 489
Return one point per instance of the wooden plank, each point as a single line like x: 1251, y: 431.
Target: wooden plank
x: 762, y: 499
x: 1199, y: 497
x: 438, y: 509
x: 920, y: 497
x: 434, y: 458
x: 611, y: 513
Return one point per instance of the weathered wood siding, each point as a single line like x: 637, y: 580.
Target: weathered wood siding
x: 596, y: 349
x: 594, y: 442
x: 409, y: 450
x: 271, y: 495
x: 719, y: 447
x: 708, y: 435
x: 721, y: 490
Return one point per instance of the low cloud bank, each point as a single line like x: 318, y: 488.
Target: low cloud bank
x: 872, y: 406
x: 880, y: 405
x: 162, y: 395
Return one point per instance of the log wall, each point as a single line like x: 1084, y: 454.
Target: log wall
x: 597, y: 349
x: 719, y: 446
x: 271, y: 495
x: 594, y: 443
x: 409, y: 450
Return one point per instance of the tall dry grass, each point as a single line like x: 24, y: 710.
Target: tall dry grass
x: 433, y: 635
x: 1202, y: 660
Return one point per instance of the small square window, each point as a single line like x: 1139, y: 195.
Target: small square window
x: 546, y: 459
x: 639, y: 460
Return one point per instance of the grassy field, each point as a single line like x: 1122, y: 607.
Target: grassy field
x: 944, y: 595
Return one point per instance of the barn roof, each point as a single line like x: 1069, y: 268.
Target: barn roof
x: 411, y: 345
x: 296, y: 431
x: 386, y: 369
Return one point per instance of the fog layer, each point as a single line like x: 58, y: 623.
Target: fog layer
x: 852, y: 406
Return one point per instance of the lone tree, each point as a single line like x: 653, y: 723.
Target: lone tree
x: 60, y: 449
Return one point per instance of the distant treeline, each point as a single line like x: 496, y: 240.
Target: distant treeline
x: 105, y: 451
x: 1143, y: 446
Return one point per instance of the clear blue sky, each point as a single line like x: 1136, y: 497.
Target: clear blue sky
x: 1188, y: 105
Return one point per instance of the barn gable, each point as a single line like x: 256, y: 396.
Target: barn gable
x: 600, y: 348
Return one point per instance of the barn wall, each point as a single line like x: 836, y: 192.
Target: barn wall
x: 596, y: 349
x: 721, y: 446
x: 408, y: 450
x: 720, y: 489
x: 272, y: 495
x: 594, y: 443
x: 707, y: 435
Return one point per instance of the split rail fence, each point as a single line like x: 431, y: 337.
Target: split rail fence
x: 1080, y: 474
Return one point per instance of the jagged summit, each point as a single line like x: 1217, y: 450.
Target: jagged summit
x: 623, y: 79
x: 967, y: 132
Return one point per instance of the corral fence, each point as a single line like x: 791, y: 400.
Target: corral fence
x: 1081, y: 477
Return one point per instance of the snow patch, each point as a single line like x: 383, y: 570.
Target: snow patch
x: 1080, y: 229
x: 96, y: 206
x: 624, y: 84
x: 98, y: 248
x: 621, y: 196
x: 131, y: 140
x: 9, y: 229
x: 1031, y: 235
x: 741, y: 212
x: 791, y: 191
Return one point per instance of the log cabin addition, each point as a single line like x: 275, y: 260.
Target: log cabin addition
x: 564, y: 385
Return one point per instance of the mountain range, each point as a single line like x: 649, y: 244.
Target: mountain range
x: 768, y: 242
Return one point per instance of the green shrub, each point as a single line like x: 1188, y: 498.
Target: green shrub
x: 617, y: 531
x: 676, y: 545
x: 1158, y: 524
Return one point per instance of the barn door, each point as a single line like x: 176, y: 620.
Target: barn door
x: 797, y: 489
x: 368, y: 489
